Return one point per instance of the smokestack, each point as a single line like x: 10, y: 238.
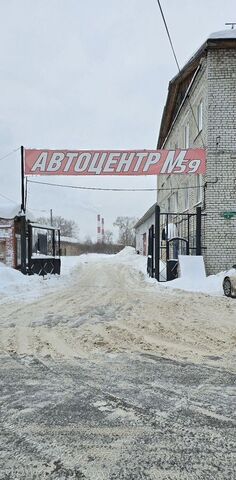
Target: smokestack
x: 98, y: 228
x: 103, y: 233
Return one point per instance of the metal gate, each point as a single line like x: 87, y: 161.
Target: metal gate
x: 173, y: 234
x: 43, y: 249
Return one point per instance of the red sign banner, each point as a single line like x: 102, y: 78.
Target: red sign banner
x: 115, y: 162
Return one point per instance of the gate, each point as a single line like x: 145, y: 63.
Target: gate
x: 43, y: 249
x: 173, y: 234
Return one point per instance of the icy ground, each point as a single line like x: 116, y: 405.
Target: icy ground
x: 15, y: 285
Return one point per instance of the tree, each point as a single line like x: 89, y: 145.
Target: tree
x: 126, y: 230
x: 88, y: 240
x: 108, y: 236
x: 68, y: 228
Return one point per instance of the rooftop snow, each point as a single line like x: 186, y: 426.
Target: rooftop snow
x: 231, y: 33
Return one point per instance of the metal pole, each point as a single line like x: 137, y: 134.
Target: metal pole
x: 22, y: 180
x: 23, y: 219
x: 157, y: 242
x: 51, y: 220
x: 23, y: 244
x: 152, y: 251
x: 29, y: 247
x: 53, y: 243
x: 198, y: 231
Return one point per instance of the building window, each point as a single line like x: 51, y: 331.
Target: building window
x: 175, y: 202
x: 168, y: 204
x: 199, y: 116
x: 198, y: 188
x: 186, y: 136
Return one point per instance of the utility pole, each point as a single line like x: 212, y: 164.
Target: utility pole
x: 51, y: 219
x: 22, y: 217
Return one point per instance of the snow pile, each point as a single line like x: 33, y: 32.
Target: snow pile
x: 9, y: 276
x: 126, y: 252
x: 193, y: 276
x: 211, y: 285
x: 13, y: 284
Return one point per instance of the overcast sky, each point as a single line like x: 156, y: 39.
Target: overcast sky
x: 91, y: 74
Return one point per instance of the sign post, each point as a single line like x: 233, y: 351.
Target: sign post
x: 23, y: 218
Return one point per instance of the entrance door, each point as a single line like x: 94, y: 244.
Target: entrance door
x: 145, y: 244
x: 3, y: 251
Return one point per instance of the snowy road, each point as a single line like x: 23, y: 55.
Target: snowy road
x: 112, y: 378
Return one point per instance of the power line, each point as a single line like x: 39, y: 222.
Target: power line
x: 10, y: 153
x: 177, y: 63
x: 109, y: 189
x: 168, y: 33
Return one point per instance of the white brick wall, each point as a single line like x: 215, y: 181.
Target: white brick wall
x: 215, y: 85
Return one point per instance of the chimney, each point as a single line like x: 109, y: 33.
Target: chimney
x: 98, y: 228
x: 103, y: 233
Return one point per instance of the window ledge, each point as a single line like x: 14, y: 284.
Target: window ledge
x: 198, y: 134
x: 197, y: 204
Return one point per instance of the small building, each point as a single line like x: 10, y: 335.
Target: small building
x: 200, y: 112
x: 70, y: 246
x: 27, y: 246
x: 10, y: 235
x: 142, y: 229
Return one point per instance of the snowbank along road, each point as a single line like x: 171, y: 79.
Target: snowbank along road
x: 114, y: 378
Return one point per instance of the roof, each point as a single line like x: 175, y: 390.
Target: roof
x: 146, y: 215
x: 226, y: 34
x: 69, y: 239
x: 179, y: 85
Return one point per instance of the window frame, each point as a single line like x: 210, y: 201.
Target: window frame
x: 200, y: 116
x: 186, y: 136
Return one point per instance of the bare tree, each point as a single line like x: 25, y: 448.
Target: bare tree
x: 88, y: 240
x: 108, y: 236
x: 126, y: 230
x: 68, y: 228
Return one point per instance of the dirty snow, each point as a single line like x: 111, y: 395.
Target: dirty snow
x: 101, y: 304
x: 14, y: 284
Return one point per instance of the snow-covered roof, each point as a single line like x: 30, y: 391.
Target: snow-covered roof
x: 146, y: 215
x: 9, y: 211
x: 226, y: 38
x: 69, y: 239
x: 230, y: 33
x: 44, y: 226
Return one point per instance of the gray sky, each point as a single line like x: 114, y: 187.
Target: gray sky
x: 90, y: 74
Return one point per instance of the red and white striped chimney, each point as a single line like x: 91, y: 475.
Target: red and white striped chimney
x: 98, y: 228
x: 103, y: 232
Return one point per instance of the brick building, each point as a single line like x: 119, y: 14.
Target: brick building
x: 10, y: 245
x: 200, y: 111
